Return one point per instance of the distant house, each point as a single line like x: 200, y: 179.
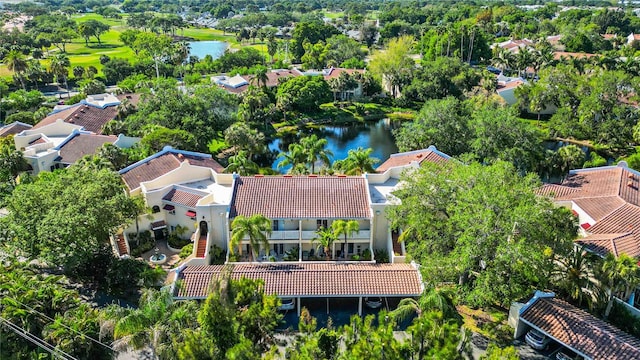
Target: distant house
x: 70, y: 132
x: 240, y: 83
x: 632, y: 38
x: 515, y: 46
x: 573, y: 328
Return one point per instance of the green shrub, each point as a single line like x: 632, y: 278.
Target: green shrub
x: 381, y: 256
x: 186, y: 251
x: 75, y: 99
x: 292, y: 254
x: 217, y: 255
x: 622, y: 318
x: 141, y: 243
x: 22, y: 116
x: 177, y: 242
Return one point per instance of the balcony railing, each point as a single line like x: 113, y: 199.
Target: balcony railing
x: 310, y: 235
x: 362, y: 235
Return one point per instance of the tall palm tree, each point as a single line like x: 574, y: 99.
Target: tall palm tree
x: 572, y: 157
x: 78, y: 72
x: 295, y: 157
x: 260, y: 76
x: 59, y: 67
x: 357, y: 162
x: 17, y: 62
x: 325, y: 239
x: 503, y: 59
x: 346, y: 228
x: 315, y: 150
x: 257, y: 227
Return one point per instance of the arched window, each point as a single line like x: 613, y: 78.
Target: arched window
x: 155, y: 209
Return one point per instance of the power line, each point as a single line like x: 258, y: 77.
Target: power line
x: 63, y: 325
x: 36, y: 340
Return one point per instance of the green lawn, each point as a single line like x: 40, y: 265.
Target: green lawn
x: 82, y: 55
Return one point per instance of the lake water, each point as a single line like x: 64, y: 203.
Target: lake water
x: 341, y: 139
x: 204, y: 48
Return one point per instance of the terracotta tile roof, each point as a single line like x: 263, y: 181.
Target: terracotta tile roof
x: 406, y: 158
x: 161, y: 163
x: 81, y: 145
x: 580, y: 330
x: 335, y: 72
x: 599, y: 207
x: 310, y: 279
x: 624, y: 219
x: 36, y: 141
x: 610, y: 196
x: 555, y: 191
x: 558, y: 55
x: 182, y: 197
x: 509, y: 85
x: 282, y: 197
x: 91, y: 118
x: 133, y: 99
x: 13, y: 128
x: 602, y: 244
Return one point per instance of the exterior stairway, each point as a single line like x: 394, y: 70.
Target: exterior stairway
x: 122, y: 246
x: 201, y: 246
x: 397, y: 247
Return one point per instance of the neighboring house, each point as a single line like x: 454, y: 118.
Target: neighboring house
x: 13, y: 129
x: 507, y: 87
x: 71, y: 132
x: 240, y: 83
x: 515, y: 46
x: 562, y: 55
x: 189, y: 189
x: 606, y: 201
x: 573, y: 328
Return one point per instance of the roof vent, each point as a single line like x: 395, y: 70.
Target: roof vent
x: 419, y: 156
x: 630, y: 176
x: 180, y: 156
x: 630, y: 184
x: 313, y: 176
x: 77, y: 115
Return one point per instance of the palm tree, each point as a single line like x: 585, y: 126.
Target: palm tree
x: 357, y: 162
x: 257, y: 227
x: 17, y: 62
x: 572, y: 157
x: 617, y: 276
x: 295, y: 158
x: 574, y: 275
x: 260, y: 76
x: 59, y: 67
x: 503, y: 59
x: 325, y: 239
x: 146, y: 325
x: 78, y: 71
x: 241, y: 163
x: 431, y: 299
x: 314, y: 150
x: 346, y: 228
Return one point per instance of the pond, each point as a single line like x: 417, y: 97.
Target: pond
x: 376, y: 135
x: 204, y: 48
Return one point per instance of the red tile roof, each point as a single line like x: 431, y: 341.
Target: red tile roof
x: 162, y: 163
x: 610, y: 196
x: 309, y: 279
x: 335, y: 72
x: 406, y: 158
x: 602, y: 244
x: 580, y: 330
x: 91, y: 118
x: 509, y: 85
x: 282, y: 197
x: 182, y: 197
x: 13, y: 128
x: 558, y: 55
x: 81, y: 145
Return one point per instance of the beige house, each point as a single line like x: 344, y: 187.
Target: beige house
x: 189, y: 189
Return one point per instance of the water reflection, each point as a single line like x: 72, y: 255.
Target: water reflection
x: 375, y: 135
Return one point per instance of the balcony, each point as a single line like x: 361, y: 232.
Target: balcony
x: 308, y: 235
x: 362, y: 235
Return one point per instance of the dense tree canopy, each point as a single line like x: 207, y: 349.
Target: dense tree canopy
x: 496, y: 238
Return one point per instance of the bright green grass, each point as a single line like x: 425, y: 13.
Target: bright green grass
x: 333, y: 14
x: 82, y: 55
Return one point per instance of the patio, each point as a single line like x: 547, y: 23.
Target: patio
x: 161, y: 245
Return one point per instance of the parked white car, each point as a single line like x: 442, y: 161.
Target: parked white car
x: 537, y: 340
x: 565, y: 354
